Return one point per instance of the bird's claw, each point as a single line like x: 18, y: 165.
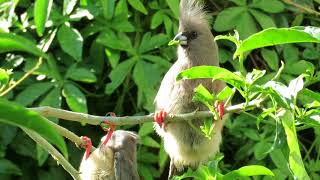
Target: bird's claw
x: 219, y: 108
x: 159, y: 117
x: 87, y: 145
x: 111, y: 128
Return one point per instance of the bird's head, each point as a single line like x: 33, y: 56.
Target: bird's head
x: 194, y: 30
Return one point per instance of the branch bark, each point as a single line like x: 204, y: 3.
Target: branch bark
x: 131, y: 120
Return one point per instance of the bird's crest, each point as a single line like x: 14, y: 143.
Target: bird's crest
x: 192, y: 10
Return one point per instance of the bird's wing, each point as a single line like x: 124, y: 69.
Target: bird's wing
x: 123, y: 168
x: 163, y: 99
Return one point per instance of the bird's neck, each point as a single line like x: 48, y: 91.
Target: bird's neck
x: 194, y: 58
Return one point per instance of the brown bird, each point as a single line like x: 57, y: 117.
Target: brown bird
x: 114, y: 161
x: 185, y: 146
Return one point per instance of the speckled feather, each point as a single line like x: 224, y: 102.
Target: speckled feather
x: 185, y: 146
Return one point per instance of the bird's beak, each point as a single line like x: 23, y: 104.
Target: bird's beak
x: 179, y: 39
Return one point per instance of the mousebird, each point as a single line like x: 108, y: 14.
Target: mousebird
x: 186, y: 146
x: 115, y: 160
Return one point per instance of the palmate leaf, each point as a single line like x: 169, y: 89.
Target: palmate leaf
x: 17, y: 115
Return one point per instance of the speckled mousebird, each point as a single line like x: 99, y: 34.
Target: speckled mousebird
x: 185, y: 146
x: 115, y: 160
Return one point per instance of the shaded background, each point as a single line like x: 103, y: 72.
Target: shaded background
x: 110, y: 56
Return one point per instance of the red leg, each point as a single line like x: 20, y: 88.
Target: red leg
x: 86, y: 144
x: 110, y: 130
x: 159, y: 117
x: 219, y: 108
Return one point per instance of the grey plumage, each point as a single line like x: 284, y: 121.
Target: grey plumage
x: 114, y: 161
x: 185, y: 146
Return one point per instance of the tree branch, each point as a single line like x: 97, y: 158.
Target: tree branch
x: 131, y: 120
x: 54, y: 153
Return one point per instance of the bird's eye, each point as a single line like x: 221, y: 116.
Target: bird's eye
x: 193, y: 35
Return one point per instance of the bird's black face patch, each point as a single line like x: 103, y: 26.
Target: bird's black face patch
x: 192, y: 35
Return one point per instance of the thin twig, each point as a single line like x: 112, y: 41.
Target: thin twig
x: 25, y: 76
x: 68, y: 134
x: 54, y: 153
x: 132, y: 120
x: 302, y: 8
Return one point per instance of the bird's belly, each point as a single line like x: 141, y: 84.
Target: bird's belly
x: 186, y: 147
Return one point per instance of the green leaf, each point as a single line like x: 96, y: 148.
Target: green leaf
x: 264, y: 20
x: 308, y: 96
x: 295, y: 86
x: 122, y: 8
x: 213, y: 72
x: 279, y: 92
x: 270, y: 6
x: 147, y: 157
x: 290, y: 53
x: 145, y: 172
x: 261, y: 149
x: 228, y: 18
x: 76, y: 100
x: 163, y: 157
x: 203, y: 95
x: 299, y: 67
x: 145, y: 129
x: 108, y: 8
x: 246, y: 25
x: 149, y: 43
x: 32, y: 93
x: 68, y: 6
x: 119, y: 42
x: 276, y: 36
x: 122, y: 24
x: 42, y: 155
x: 118, y: 75
x: 225, y: 93
x: 174, y: 6
x: 252, y: 170
x: 239, y: 2
x: 4, y: 78
x: 148, y: 141
x: 8, y: 167
x: 81, y: 74
x: 11, y: 42
x: 157, y: 60
x: 52, y: 99
x: 271, y: 57
x: 17, y: 115
x: 312, y: 54
x: 157, y: 19
x: 71, y: 41
x: 280, y: 161
x: 138, y: 5
x: 41, y: 14
x: 295, y: 160
x: 147, y: 85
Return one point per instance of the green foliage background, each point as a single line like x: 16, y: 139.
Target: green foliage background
x: 109, y: 55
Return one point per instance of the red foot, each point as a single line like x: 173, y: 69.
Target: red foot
x: 219, y: 108
x: 86, y: 144
x: 111, y: 128
x: 159, y: 117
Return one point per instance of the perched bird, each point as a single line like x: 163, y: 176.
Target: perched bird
x: 114, y: 161
x: 186, y: 146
